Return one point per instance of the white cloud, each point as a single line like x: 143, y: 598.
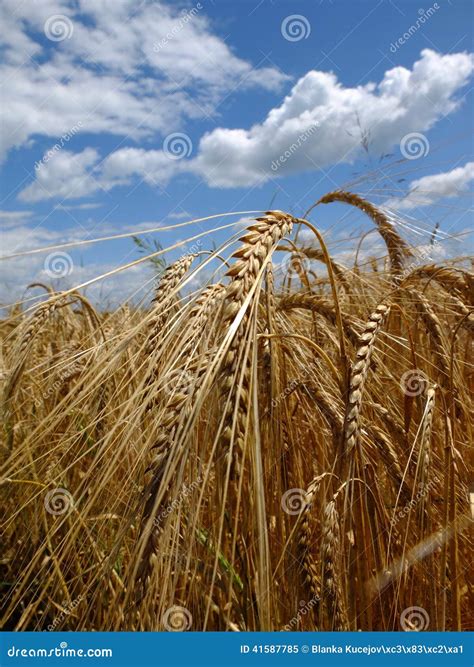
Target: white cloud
x: 111, y: 75
x: 153, y: 166
x: 79, y: 207
x: 64, y: 175
x: 68, y: 175
x: 132, y: 283
x: 404, y: 101
x: 17, y: 273
x: 179, y: 215
x: 318, y: 124
x: 13, y: 218
x: 430, y: 189
x: 15, y: 17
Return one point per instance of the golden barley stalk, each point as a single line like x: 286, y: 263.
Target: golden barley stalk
x: 398, y: 250
x: 358, y: 376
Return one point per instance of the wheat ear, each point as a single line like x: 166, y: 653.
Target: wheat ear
x: 39, y: 317
x: 312, y: 579
x: 433, y: 326
x: 324, y: 307
x: 425, y: 449
x: 258, y: 242
x: 358, y: 375
x: 317, y: 254
x: 331, y: 589
x: 170, y: 417
x: 169, y: 281
x: 452, y: 280
x: 397, y: 248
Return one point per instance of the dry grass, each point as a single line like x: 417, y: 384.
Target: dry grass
x: 226, y: 454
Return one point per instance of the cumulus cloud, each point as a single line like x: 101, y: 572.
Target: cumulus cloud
x: 154, y: 166
x: 66, y: 175
x: 125, y: 68
x: 430, y: 189
x: 404, y: 101
x: 318, y: 124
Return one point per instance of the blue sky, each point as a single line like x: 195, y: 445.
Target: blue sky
x: 156, y: 112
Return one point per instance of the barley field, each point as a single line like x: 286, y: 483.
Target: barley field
x: 277, y: 448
